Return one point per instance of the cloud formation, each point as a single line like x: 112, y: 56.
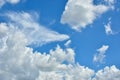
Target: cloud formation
x: 3, y: 2
x: 67, y: 44
x: 19, y: 62
x: 80, y: 13
x: 99, y: 57
x: 108, y: 29
x: 111, y: 3
x: 36, y: 33
x: 108, y: 73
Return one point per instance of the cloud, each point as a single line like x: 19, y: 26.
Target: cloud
x: 110, y: 3
x: 79, y: 13
x: 67, y: 44
x: 3, y: 2
x: 36, y: 33
x: 108, y: 29
x: 108, y: 73
x: 67, y: 55
x: 99, y: 57
x: 19, y: 62
x: 3, y: 30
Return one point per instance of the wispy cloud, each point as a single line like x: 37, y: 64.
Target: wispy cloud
x: 3, y: 2
x: 99, y: 57
x: 67, y: 44
x: 36, y: 33
x: 108, y: 29
x: 111, y: 3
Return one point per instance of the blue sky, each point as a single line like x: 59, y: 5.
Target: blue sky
x: 90, y: 30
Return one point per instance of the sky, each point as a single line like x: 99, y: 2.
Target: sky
x: 59, y: 40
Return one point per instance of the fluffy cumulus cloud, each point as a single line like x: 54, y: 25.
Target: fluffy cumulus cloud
x: 2, y: 2
x: 80, y: 13
x: 36, y: 33
x: 99, y: 57
x: 108, y: 73
x: 19, y: 62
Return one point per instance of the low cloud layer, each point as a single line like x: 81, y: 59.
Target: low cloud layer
x: 19, y: 62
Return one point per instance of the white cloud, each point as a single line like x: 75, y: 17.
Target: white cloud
x: 99, y: 57
x: 13, y: 1
x: 3, y: 29
x: 108, y: 73
x: 80, y: 13
x: 67, y: 44
x: 3, y: 2
x: 67, y: 55
x: 19, y: 62
x: 110, y: 3
x: 36, y: 33
x: 108, y: 29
